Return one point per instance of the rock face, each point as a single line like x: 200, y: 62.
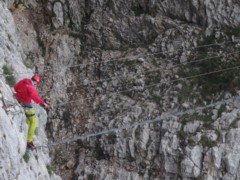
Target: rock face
x: 16, y: 163
x: 113, y: 64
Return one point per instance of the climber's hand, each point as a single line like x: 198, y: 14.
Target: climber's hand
x: 46, y: 105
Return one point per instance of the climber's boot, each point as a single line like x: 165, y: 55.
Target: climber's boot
x: 31, y: 146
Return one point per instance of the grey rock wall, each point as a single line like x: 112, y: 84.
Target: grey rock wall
x: 134, y: 37
x: 13, y: 129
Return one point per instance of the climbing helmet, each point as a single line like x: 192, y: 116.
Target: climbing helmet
x: 37, y: 78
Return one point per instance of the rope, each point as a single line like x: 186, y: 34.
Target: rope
x: 152, y: 70
x: 147, y: 71
x: 149, y: 54
x: 145, y: 55
x: 199, y: 60
x: 147, y: 121
x: 201, y: 46
x: 129, y: 126
x: 151, y: 85
x: 119, y: 59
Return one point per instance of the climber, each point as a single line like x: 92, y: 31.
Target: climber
x: 25, y: 92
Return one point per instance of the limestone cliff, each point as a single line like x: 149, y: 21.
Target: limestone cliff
x: 110, y: 63
x: 16, y: 163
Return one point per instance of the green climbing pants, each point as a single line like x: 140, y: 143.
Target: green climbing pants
x: 31, y: 122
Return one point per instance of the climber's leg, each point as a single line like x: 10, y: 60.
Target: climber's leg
x: 32, y: 125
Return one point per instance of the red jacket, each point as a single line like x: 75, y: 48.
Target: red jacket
x: 25, y: 92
